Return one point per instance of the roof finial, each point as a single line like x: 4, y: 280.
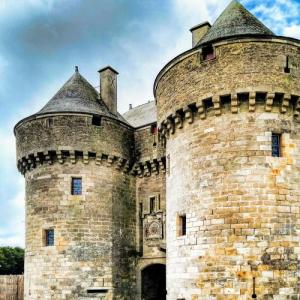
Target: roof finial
x: 76, y: 69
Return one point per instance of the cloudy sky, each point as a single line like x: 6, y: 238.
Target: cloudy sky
x: 42, y: 40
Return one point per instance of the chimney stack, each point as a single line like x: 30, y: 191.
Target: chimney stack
x: 198, y: 32
x: 108, y: 88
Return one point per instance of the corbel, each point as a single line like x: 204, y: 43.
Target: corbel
x: 178, y: 122
x: 234, y: 103
x: 217, y: 105
x: 85, y: 157
x: 201, y: 110
x: 269, y: 102
x: 188, y: 114
x: 285, y: 103
x: 252, y: 96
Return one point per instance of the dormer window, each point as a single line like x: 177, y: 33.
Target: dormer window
x: 208, y: 53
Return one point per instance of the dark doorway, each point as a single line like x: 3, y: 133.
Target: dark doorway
x: 154, y: 282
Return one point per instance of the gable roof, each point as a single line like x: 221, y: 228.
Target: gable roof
x: 141, y: 115
x: 235, y: 20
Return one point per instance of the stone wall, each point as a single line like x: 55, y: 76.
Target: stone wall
x: 241, y: 204
x: 95, y: 233
x: 150, y: 184
x: 73, y: 132
x: 147, y: 187
x: 147, y: 145
x: 239, y: 66
x: 242, y: 208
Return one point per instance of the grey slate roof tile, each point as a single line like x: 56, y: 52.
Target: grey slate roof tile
x: 141, y: 115
x: 78, y: 95
x: 235, y: 20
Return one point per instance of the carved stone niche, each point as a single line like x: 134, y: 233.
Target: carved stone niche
x: 154, y: 230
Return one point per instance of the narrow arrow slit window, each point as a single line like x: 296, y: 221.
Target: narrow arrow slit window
x: 276, y: 141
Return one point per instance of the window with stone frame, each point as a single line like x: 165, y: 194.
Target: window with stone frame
x: 276, y: 144
x: 152, y: 204
x: 153, y: 129
x: 181, y: 225
x: 76, y: 186
x: 208, y: 53
x: 49, y: 237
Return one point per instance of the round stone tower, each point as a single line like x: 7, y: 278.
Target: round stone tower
x: 80, y: 204
x: 228, y: 111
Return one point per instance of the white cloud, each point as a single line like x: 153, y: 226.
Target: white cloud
x: 292, y: 31
x: 164, y: 42
x: 193, y: 12
x: 277, y: 15
x: 16, y: 7
x: 11, y: 195
x: 13, y: 232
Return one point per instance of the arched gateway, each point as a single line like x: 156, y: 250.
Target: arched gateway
x: 154, y: 282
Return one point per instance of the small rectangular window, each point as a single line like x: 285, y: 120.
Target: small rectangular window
x: 141, y: 210
x: 182, y: 225
x: 152, y: 204
x: 287, y: 66
x: 49, y: 237
x: 153, y: 129
x: 208, y: 53
x: 76, y: 188
x: 96, y: 121
x: 276, y: 141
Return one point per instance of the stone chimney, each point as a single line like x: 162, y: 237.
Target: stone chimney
x: 108, y: 88
x: 198, y: 32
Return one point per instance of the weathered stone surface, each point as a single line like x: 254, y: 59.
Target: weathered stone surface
x: 241, y: 204
x: 99, y: 234
x: 240, y: 66
x: 209, y: 166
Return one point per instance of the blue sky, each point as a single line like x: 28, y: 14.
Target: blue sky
x: 42, y: 40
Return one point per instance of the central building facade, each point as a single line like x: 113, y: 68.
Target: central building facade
x: 193, y: 196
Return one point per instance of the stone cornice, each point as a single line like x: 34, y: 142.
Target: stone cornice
x: 49, y: 157
x: 149, y: 167
x: 198, y: 109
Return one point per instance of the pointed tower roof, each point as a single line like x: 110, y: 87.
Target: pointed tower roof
x: 79, y: 96
x: 235, y: 20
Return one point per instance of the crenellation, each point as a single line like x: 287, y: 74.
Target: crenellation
x: 224, y: 173
x: 206, y: 175
x: 254, y: 99
x: 285, y: 103
x: 269, y: 102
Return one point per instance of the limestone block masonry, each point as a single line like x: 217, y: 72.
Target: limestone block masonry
x: 94, y: 232
x: 99, y: 250
x: 193, y: 196
x: 242, y: 205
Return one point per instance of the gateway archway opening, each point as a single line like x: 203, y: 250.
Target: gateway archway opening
x: 154, y: 282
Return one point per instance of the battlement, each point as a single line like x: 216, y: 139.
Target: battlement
x: 140, y: 169
x: 149, y: 167
x: 239, y: 101
x: 72, y: 156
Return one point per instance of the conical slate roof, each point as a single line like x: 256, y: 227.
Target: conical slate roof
x: 235, y: 20
x: 77, y: 95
